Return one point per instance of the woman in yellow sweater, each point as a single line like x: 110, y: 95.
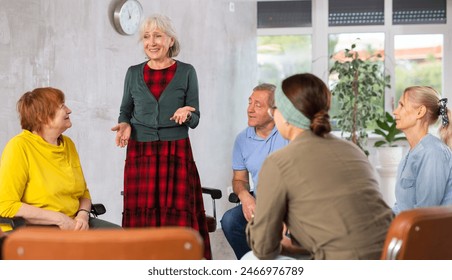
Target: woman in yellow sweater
x: 41, y: 179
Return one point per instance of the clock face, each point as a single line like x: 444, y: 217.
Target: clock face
x: 127, y: 17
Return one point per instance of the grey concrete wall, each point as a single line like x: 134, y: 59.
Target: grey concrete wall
x: 73, y: 46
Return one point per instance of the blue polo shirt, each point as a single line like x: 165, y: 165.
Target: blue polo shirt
x: 250, y: 151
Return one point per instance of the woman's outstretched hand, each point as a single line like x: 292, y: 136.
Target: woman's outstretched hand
x: 123, y: 131
x: 182, y: 114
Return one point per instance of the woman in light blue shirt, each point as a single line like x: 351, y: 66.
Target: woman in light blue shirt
x: 424, y: 177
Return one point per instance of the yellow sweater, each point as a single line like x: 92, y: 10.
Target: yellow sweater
x: 40, y: 174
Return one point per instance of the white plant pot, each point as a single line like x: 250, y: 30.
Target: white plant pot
x: 387, y: 161
x: 389, y: 157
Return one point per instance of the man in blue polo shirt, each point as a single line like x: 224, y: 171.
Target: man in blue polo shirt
x: 251, y: 147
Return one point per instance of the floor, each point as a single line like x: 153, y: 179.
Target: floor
x: 221, y: 250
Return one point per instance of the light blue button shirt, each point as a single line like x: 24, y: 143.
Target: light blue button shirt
x: 424, y: 176
x: 250, y: 150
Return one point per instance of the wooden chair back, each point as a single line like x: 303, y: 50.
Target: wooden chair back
x: 420, y: 234
x: 42, y: 243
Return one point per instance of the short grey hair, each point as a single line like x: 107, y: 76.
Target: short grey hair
x: 163, y: 23
x: 271, y: 90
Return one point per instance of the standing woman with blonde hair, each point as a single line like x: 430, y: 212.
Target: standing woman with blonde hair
x: 160, y: 103
x: 424, y: 177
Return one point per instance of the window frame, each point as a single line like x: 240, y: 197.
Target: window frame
x: 320, y: 30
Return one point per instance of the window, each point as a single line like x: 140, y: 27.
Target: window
x: 277, y: 14
x: 418, y: 61
x: 356, y: 12
x: 299, y: 36
x: 419, y: 11
x: 280, y: 56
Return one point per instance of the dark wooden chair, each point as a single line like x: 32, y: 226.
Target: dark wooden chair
x: 420, y: 234
x: 212, y: 219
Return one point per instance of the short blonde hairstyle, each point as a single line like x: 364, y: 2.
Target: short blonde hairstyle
x: 36, y: 108
x: 165, y: 25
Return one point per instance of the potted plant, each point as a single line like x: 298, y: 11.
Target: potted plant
x: 359, y: 89
x: 387, y: 129
x: 389, y: 153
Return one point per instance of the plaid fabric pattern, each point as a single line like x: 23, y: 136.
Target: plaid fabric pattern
x: 156, y: 80
x: 162, y: 187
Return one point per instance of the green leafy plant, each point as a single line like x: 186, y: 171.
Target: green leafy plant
x: 387, y: 129
x: 359, y: 90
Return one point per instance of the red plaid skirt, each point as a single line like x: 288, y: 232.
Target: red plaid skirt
x: 162, y: 188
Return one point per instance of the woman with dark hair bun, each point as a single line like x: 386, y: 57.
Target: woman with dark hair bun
x: 320, y: 191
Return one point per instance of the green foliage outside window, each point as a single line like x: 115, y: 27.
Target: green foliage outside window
x: 282, y: 56
x: 427, y: 73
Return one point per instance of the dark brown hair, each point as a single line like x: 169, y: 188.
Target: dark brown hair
x: 310, y: 96
x: 38, y: 107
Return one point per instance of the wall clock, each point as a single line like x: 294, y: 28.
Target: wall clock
x: 127, y: 17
